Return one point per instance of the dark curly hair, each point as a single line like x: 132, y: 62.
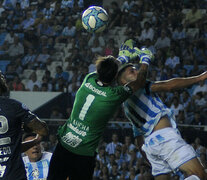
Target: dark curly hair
x: 107, y: 68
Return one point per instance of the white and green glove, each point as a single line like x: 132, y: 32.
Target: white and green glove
x: 128, y: 52
x: 145, y: 55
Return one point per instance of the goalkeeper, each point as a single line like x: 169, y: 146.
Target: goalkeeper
x: 95, y: 103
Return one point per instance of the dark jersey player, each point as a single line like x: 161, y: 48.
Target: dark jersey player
x: 12, y: 115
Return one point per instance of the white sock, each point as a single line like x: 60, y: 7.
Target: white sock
x: 192, y: 177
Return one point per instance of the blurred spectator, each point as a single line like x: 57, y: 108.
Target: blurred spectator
x: 61, y: 85
x: 132, y: 173
x: 179, y: 33
x: 29, y: 59
x: 31, y: 40
x: 10, y: 73
x: 97, y: 170
x: 173, y: 61
x: 68, y: 31
x: 192, y: 17
x: 127, y: 5
x: 100, y: 39
x: 200, y: 52
x: 36, y: 162
x: 111, y: 162
x: 198, y: 147
x: 46, y: 84
x: 28, y: 22
x: 61, y: 74
x: 52, y: 142
x: 56, y: 114
x: 24, y: 4
x: 147, y: 32
x: 102, y: 156
x: 197, y: 120
x: 43, y: 57
x: 200, y: 102
x: 125, y: 155
x: 115, y: 16
x: 96, y: 48
x: 110, y: 148
x: 44, y: 28
x: 124, y: 170
x: 32, y: 82
x: 181, y: 119
x: 176, y: 106
x: 118, y: 158
x: 17, y: 85
x: 163, y: 41
x: 149, y: 45
x: 110, y: 48
x: 104, y: 174
x: 115, y: 175
x: 16, y: 49
x: 128, y: 143
x: 1, y: 8
x: 47, y: 11
x: 10, y: 37
x: 201, y: 87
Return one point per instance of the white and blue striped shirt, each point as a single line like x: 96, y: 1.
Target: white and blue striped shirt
x: 38, y: 170
x: 144, y: 109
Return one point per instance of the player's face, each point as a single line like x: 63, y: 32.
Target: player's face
x: 34, y: 153
x: 129, y: 75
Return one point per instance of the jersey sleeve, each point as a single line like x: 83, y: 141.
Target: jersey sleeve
x: 136, y: 132
x: 23, y: 113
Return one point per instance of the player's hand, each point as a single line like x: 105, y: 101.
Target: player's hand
x: 146, y: 56
x: 127, y: 52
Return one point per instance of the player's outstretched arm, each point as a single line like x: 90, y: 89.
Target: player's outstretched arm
x: 35, y: 126
x: 30, y: 143
x: 177, y: 83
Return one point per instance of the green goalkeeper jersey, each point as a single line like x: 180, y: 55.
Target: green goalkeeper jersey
x: 93, y: 107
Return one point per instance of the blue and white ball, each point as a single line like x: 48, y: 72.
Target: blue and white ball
x: 95, y: 19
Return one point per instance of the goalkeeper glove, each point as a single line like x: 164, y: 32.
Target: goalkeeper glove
x: 127, y: 52
x: 145, y: 55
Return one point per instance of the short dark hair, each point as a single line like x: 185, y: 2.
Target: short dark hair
x: 107, y: 68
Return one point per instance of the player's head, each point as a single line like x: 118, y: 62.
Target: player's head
x: 3, y: 85
x: 107, y: 68
x: 34, y: 153
x: 127, y: 73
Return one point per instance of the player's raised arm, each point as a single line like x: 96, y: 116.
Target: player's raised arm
x: 128, y: 74
x: 177, y: 83
x: 37, y: 126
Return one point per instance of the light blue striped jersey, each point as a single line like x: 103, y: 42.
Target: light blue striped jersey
x: 144, y: 109
x: 38, y: 170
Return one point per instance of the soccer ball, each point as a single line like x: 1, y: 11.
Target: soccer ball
x: 95, y: 19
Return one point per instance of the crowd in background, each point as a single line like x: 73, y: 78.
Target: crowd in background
x: 43, y: 47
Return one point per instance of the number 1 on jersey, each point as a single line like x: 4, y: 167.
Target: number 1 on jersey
x: 89, y: 99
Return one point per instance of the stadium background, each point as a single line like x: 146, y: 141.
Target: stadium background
x: 44, y: 49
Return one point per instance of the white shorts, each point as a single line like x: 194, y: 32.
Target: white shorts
x: 166, y: 151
